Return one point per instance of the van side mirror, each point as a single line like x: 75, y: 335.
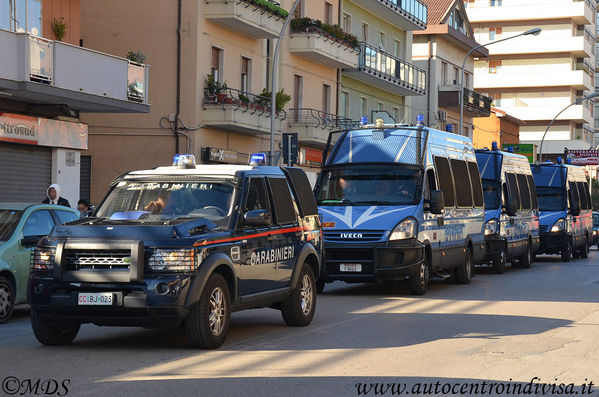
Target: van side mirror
x: 257, y: 218
x: 30, y: 241
x: 575, y: 209
x: 510, y: 208
x: 436, y: 204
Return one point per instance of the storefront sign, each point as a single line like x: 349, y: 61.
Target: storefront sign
x: 43, y: 132
x: 18, y: 129
x: 219, y: 155
x: 583, y: 157
x: 310, y: 156
x: 525, y: 149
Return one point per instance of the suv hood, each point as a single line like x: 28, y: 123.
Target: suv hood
x: 374, y: 217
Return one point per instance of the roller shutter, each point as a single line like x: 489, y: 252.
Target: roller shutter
x: 25, y: 172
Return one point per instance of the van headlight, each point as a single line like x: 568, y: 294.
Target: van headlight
x: 178, y: 260
x: 408, y: 228
x: 558, y: 226
x: 491, y: 227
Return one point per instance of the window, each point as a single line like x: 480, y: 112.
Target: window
x: 40, y: 223
x: 582, y: 196
x: 284, y: 211
x: 573, y: 193
x: 494, y: 65
x: 397, y: 48
x: 245, y: 75
x: 524, y: 192
x: 364, y: 32
x: 431, y: 181
x: 22, y: 16
x: 216, y: 64
x: 382, y: 40
x: 588, y: 195
x: 497, y: 99
x: 364, y: 106
x: 463, y: 188
x: 396, y: 115
x: 456, y: 75
x: 346, y: 22
x: 495, y: 3
x: 326, y: 98
x: 491, y: 33
x: 380, y: 106
x: 300, y: 10
x: 444, y: 76
x: 445, y: 180
x: 298, y: 90
x: 257, y: 199
x: 66, y: 216
x: 477, y: 189
x: 533, y: 192
x: 512, y: 186
x: 466, y: 79
x: 344, y: 104
x: 328, y: 13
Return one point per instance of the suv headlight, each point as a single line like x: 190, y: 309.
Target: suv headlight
x: 559, y: 225
x: 407, y: 228
x: 491, y: 227
x: 43, y: 259
x: 179, y: 260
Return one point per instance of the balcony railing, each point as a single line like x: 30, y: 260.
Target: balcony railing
x: 390, y: 68
x: 477, y: 101
x: 260, y: 19
x: 242, y: 101
x: 406, y: 14
x: 320, y: 119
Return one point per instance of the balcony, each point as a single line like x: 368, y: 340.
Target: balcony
x: 387, y: 72
x: 310, y: 40
x: 313, y: 125
x: 575, y: 113
x: 475, y: 104
x: 405, y: 14
x: 577, y: 79
x: 582, y: 12
x: 247, y: 17
x: 41, y: 71
x: 578, y: 46
x: 234, y: 110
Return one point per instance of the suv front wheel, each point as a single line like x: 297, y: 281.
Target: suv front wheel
x: 52, y: 335
x: 298, y: 309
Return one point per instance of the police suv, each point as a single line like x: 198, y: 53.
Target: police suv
x: 182, y: 244
x: 400, y: 201
x: 511, y: 209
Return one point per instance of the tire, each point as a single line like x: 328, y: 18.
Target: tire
x: 208, y: 322
x: 463, y: 274
x: 320, y: 283
x: 299, y: 307
x: 419, y: 279
x: 52, y: 335
x: 526, y: 259
x: 566, y: 253
x: 499, y: 263
x: 7, y: 299
x: 584, y: 251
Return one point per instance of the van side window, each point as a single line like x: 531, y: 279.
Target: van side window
x: 430, y: 179
x: 462, y: 183
x: 512, y: 188
x: 574, y: 198
x: 445, y: 180
x: 477, y: 187
x: 582, y: 196
x: 533, y: 192
x: 281, y: 201
x: 257, y: 199
x: 524, y: 192
x: 588, y: 195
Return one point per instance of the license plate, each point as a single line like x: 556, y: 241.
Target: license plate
x: 102, y: 298
x: 350, y: 267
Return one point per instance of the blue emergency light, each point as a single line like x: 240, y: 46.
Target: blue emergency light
x: 184, y: 160
x: 420, y: 119
x: 257, y: 159
x: 449, y: 128
x: 559, y: 160
x: 494, y: 145
x: 363, y: 120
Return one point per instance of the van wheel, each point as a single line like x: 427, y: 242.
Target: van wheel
x: 499, y: 262
x: 584, y: 251
x: 7, y: 299
x: 567, y: 253
x: 52, y: 335
x: 208, y: 322
x: 298, y: 309
x: 463, y: 274
x: 419, y: 279
x: 526, y: 259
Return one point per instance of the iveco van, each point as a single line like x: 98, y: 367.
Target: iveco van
x: 566, y: 222
x: 511, y: 209
x: 400, y: 201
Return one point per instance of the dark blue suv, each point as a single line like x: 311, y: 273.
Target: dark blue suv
x: 187, y: 244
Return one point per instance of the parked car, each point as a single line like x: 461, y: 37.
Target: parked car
x: 511, y: 209
x: 595, y: 229
x: 22, y: 225
x: 400, y: 201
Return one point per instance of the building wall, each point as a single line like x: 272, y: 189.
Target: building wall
x: 487, y: 130
x: 69, y: 10
x: 66, y: 173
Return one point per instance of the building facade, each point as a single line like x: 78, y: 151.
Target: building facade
x: 498, y: 127
x: 48, y: 78
x: 533, y: 78
x: 440, y: 50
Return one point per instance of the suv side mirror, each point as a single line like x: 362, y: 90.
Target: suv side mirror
x: 30, y: 241
x: 436, y: 203
x: 510, y: 208
x: 257, y: 218
x: 575, y: 209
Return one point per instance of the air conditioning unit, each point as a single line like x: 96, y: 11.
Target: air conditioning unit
x: 442, y: 115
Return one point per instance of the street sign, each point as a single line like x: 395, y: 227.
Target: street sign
x: 525, y: 149
x: 290, y: 148
x: 583, y: 157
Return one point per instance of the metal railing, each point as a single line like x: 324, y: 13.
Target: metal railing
x: 40, y: 60
x: 242, y: 101
x: 477, y: 100
x: 393, y: 68
x: 318, y: 118
x: 415, y: 8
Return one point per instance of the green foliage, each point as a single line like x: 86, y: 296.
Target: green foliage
x: 270, y: 7
x: 281, y: 98
x: 59, y: 28
x: 333, y: 31
x: 214, y: 87
x: 244, y: 98
x: 137, y: 57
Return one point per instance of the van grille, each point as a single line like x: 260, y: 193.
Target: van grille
x: 97, y: 259
x: 340, y: 236
x: 543, y: 228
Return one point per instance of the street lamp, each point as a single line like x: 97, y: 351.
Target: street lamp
x: 273, y: 84
x: 576, y: 102
x: 533, y: 31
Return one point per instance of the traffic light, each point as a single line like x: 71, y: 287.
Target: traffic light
x: 290, y: 148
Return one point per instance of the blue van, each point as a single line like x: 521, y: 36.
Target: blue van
x: 511, y: 209
x: 400, y: 201
x: 566, y: 221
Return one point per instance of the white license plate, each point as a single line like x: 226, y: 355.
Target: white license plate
x: 102, y: 298
x: 350, y: 267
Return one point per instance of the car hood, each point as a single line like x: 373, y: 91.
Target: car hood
x: 364, y: 217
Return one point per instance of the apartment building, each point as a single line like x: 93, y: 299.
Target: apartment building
x: 385, y: 79
x: 48, y: 78
x: 534, y: 77
x: 440, y: 50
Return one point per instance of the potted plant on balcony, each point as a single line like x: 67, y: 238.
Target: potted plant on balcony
x: 137, y: 57
x: 59, y: 28
x: 244, y: 100
x: 215, y: 90
x: 281, y: 99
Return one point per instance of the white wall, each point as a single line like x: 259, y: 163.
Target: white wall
x: 67, y: 175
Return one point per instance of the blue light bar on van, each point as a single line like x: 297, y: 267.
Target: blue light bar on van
x: 257, y: 159
x: 184, y: 160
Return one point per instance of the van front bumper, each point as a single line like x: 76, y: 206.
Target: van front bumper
x: 378, y: 262
x: 553, y: 242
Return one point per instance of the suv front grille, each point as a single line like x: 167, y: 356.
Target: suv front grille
x: 97, y: 259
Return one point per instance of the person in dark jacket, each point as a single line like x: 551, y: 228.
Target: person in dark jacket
x: 53, y: 194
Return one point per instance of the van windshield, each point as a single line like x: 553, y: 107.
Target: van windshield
x: 370, y: 185
x: 551, y: 198
x: 491, y: 194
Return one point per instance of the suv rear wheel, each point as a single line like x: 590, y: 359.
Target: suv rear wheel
x: 50, y: 334
x: 207, y: 325
x: 464, y: 272
x: 7, y: 299
x: 419, y: 279
x: 298, y: 309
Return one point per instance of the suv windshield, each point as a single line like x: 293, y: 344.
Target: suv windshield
x: 8, y: 222
x: 551, y: 198
x: 370, y: 185
x: 163, y: 201
x: 491, y: 194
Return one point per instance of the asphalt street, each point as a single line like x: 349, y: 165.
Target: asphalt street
x: 541, y: 322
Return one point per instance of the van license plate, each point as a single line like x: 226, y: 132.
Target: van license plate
x: 95, y: 299
x: 350, y: 267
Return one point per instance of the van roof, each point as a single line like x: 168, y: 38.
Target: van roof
x: 222, y: 171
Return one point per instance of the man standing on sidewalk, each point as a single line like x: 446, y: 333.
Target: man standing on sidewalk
x: 53, y: 194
